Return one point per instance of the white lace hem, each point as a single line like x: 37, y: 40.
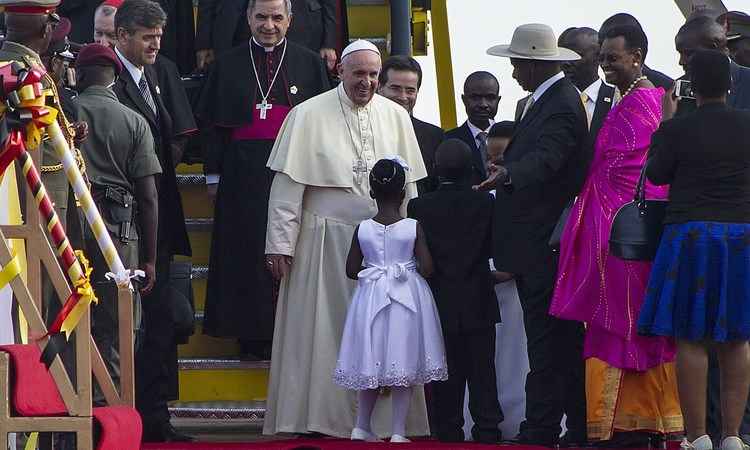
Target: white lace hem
x: 359, y: 381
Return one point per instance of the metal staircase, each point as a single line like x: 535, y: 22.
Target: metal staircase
x: 219, y: 393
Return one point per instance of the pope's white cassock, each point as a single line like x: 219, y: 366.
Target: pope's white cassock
x: 317, y: 199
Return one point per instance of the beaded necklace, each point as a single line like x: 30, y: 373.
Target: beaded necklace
x: 632, y: 85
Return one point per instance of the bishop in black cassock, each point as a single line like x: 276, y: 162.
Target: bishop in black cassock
x: 240, y: 298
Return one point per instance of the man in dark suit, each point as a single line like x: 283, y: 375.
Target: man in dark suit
x: 542, y: 169
x: 222, y: 25
x: 657, y: 78
x: 400, y: 80
x: 481, y: 97
x: 596, y: 95
x: 457, y: 222
x: 704, y: 33
x: 138, y: 25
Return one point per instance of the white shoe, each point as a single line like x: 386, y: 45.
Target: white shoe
x: 702, y: 443
x: 358, y: 434
x: 397, y: 438
x: 733, y: 443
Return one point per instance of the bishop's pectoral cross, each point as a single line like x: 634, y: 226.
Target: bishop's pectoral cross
x: 359, y: 167
x: 263, y: 107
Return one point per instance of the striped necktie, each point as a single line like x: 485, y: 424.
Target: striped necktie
x: 146, y: 93
x: 482, y: 138
x: 528, y: 106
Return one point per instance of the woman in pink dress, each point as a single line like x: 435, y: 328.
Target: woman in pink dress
x: 630, y: 379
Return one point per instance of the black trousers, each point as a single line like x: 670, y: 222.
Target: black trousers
x: 471, y: 359
x: 157, y: 355
x: 555, y: 383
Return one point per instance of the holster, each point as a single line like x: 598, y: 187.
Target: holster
x: 119, y: 205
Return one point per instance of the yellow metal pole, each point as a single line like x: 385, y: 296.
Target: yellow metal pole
x: 443, y: 64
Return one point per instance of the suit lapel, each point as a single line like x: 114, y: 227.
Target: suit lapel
x: 134, y: 93
x: 603, y: 105
x: 153, y: 84
x: 535, y: 108
x: 468, y: 137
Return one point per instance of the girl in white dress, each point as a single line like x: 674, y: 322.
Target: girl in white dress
x: 392, y: 336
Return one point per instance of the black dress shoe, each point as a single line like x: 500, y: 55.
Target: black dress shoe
x: 523, y: 439
x: 570, y: 440
x: 164, y: 433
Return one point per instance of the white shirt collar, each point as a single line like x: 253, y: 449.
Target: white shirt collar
x: 135, y: 72
x: 592, y: 92
x: 546, y: 85
x: 475, y: 129
x: 267, y: 49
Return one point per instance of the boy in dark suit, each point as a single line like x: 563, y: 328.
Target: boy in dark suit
x: 457, y: 222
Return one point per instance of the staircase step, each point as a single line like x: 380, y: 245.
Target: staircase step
x: 208, y: 346
x: 191, y: 179
x: 199, y: 272
x: 221, y: 415
x: 221, y: 364
x: 199, y: 224
x: 183, y: 168
x: 220, y: 379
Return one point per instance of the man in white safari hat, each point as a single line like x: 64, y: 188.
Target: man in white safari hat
x: 542, y: 171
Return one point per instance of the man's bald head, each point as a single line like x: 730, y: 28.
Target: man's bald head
x: 480, y: 77
x: 706, y: 31
x: 700, y: 33
x: 585, y: 42
x: 104, y: 25
x: 32, y: 30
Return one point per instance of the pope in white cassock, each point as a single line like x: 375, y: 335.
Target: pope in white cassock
x: 321, y: 192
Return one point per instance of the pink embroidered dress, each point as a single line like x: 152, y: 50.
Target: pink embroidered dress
x: 597, y: 288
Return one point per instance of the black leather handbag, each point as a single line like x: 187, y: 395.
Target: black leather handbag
x: 554, y: 240
x: 638, y: 226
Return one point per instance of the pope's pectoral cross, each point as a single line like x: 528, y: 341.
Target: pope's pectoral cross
x: 359, y: 167
x: 263, y: 107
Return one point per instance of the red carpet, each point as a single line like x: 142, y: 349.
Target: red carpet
x: 341, y: 444
x: 328, y: 444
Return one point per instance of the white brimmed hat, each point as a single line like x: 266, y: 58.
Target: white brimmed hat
x: 534, y: 41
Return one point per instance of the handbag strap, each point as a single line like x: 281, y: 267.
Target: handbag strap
x: 640, y: 191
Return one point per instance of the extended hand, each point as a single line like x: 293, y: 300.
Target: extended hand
x: 669, y: 104
x: 329, y: 56
x: 498, y: 174
x: 279, y: 265
x: 204, y: 58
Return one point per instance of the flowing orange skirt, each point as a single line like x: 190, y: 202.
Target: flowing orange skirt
x: 623, y: 400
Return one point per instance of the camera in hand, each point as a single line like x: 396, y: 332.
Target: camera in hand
x: 684, y: 89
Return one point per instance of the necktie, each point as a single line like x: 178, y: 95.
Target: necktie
x: 584, y: 100
x: 146, y: 93
x: 482, y: 138
x: 528, y: 106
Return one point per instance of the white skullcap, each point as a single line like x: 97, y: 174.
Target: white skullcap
x: 359, y: 45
